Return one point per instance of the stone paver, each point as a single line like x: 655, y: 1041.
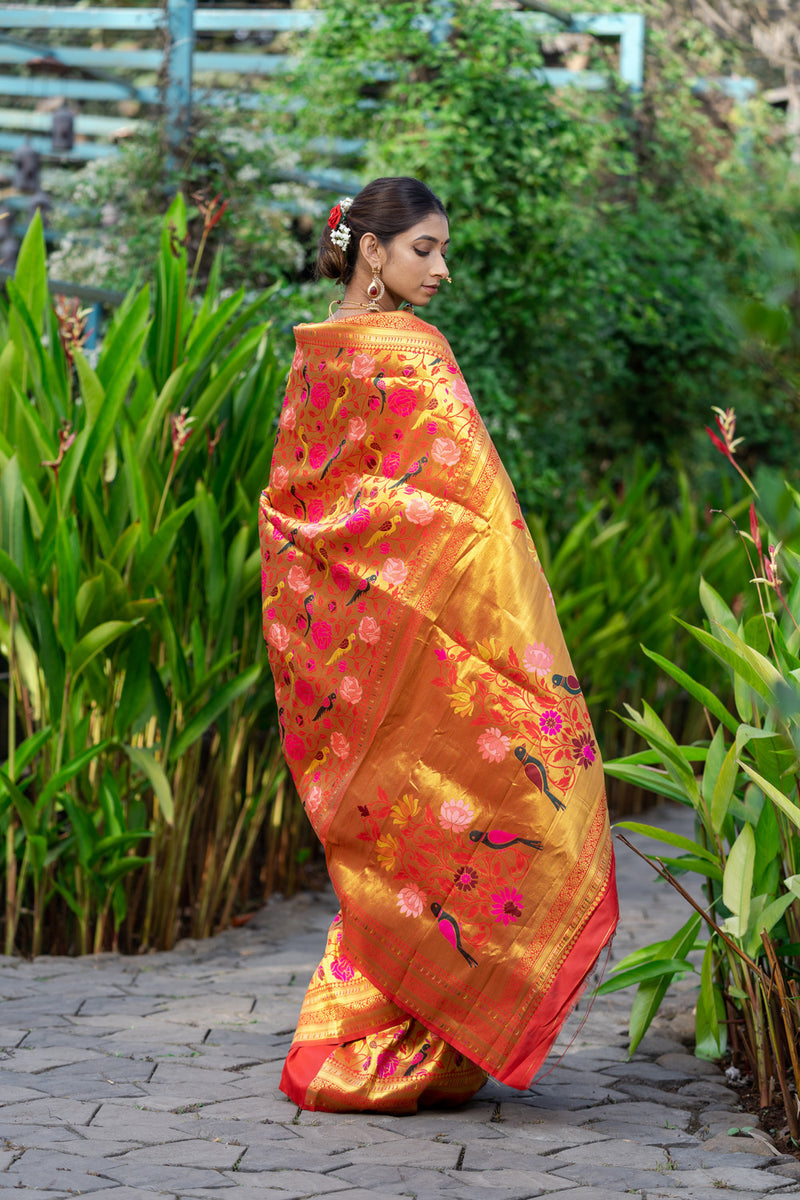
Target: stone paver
x: 122, y: 1078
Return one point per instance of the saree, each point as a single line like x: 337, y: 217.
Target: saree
x: 434, y: 727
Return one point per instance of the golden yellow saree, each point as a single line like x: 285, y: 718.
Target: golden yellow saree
x: 434, y: 727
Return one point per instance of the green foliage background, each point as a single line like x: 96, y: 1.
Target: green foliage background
x: 600, y: 243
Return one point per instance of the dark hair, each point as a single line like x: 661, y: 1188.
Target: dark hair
x: 384, y: 207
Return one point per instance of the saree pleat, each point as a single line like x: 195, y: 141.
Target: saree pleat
x: 393, y: 1064
x: 432, y: 720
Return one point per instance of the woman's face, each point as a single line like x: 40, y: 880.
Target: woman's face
x: 414, y: 262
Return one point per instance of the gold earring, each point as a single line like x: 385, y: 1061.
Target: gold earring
x: 376, y: 290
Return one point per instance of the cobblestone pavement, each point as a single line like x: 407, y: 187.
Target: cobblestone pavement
x: 124, y: 1077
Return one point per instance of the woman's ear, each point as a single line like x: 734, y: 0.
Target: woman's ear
x: 370, y: 248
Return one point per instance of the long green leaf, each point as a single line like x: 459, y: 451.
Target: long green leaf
x: 215, y: 706
x: 710, y: 1029
x: 57, y: 782
x: 94, y: 642
x: 648, y: 779
x: 145, y: 762
x: 723, y: 788
x: 665, y: 835
x: 659, y: 968
x: 647, y: 1000
x: 786, y: 806
x: 701, y: 693
x: 737, y: 882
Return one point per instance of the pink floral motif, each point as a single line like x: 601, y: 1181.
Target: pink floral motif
x: 280, y: 477
x: 359, y: 520
x: 314, y: 798
x: 394, y: 570
x: 363, y: 366
x: 320, y: 395
x: 316, y: 510
x: 321, y: 632
x: 411, y: 900
x: 386, y: 1064
x: 356, y: 429
x: 538, y: 659
x: 288, y: 418
x: 369, y: 630
x: 293, y: 746
x: 305, y: 692
x: 402, y: 401
x: 507, y: 905
x: 584, y: 750
x: 340, y: 745
x: 390, y: 464
x: 462, y: 392
x: 342, y: 969
x: 419, y: 511
x: 278, y: 636
x: 455, y: 815
x: 550, y: 722
x: 298, y: 579
x: 493, y: 745
x: 340, y: 574
x: 297, y: 358
x: 445, y: 451
x: 317, y: 454
x: 351, y: 485
x: 350, y: 689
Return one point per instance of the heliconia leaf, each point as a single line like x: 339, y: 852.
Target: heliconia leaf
x: 710, y: 1028
x: 715, y: 607
x: 737, y: 881
x: 13, y: 577
x: 220, y: 700
x: 66, y: 586
x: 665, y: 835
x: 92, y: 390
x: 145, y: 762
x: 94, y: 642
x: 704, y: 695
x: 57, y: 782
x: 657, y: 969
x: 648, y: 779
x: 764, y: 920
x: 789, y: 809
x: 30, y: 273
x: 700, y: 866
x: 647, y: 1000
x: 723, y: 788
x: 152, y: 558
x: 25, y: 810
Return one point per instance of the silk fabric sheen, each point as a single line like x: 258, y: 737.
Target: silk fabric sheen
x: 429, y: 710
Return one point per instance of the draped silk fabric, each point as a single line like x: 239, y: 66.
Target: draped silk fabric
x: 429, y: 710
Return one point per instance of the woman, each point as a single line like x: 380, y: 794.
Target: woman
x: 429, y: 710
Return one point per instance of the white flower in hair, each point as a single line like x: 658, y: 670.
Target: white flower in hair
x: 340, y: 233
x: 341, y: 236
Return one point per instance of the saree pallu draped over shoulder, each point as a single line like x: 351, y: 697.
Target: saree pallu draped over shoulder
x: 434, y: 726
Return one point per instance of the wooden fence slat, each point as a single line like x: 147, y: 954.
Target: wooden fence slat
x: 80, y: 152
x: 206, y: 20
x: 37, y: 87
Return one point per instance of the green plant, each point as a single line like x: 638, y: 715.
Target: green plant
x: 747, y: 843
x: 143, y: 794
x: 108, y: 218
x: 596, y: 237
x: 621, y: 570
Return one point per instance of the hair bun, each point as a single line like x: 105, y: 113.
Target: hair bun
x: 385, y: 207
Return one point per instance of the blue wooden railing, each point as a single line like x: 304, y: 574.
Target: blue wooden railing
x: 190, y: 72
